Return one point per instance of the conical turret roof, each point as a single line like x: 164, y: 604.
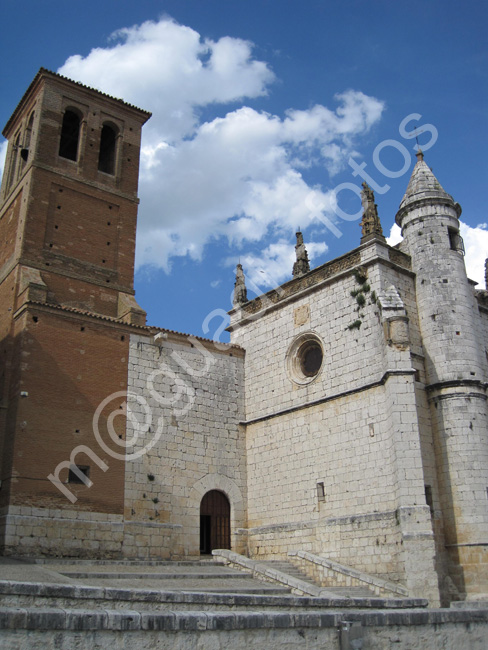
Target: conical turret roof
x: 423, y: 185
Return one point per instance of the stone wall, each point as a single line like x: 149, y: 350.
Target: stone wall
x: 327, y: 573
x: 85, y: 630
x: 335, y: 462
x: 189, y: 395
x: 370, y: 543
x: 54, y: 532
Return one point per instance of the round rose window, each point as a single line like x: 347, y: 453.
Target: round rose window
x: 305, y: 358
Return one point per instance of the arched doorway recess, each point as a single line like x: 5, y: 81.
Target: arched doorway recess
x: 214, y: 522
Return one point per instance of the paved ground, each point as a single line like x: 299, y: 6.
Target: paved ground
x: 20, y: 571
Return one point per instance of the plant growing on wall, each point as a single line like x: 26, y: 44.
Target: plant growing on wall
x: 359, y: 295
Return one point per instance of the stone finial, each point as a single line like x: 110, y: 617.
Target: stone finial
x: 423, y: 186
x: 240, y: 291
x: 486, y: 274
x: 370, y: 223
x: 302, y: 265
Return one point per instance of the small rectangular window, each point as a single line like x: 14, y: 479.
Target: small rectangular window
x: 455, y: 240
x: 429, y: 500
x: 77, y: 472
x: 320, y: 491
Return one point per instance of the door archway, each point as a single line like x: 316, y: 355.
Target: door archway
x: 214, y: 522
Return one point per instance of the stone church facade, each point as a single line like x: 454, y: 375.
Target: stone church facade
x: 346, y: 418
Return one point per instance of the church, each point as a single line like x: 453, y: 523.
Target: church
x: 346, y: 419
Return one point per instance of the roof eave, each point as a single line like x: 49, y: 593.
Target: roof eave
x: 44, y: 73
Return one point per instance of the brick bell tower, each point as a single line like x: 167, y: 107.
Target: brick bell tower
x: 68, y: 212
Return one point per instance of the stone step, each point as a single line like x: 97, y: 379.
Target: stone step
x: 47, y: 561
x: 289, y: 569
x: 205, y: 577
x: 156, y: 575
x: 85, y: 629
x: 346, y: 592
x: 78, y: 596
x: 356, y: 592
x: 198, y: 577
x: 216, y: 586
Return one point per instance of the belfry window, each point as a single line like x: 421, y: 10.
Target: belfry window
x: 13, y: 161
x: 24, y: 152
x: 106, y: 157
x: 70, y: 134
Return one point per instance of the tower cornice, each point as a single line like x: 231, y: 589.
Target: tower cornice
x: 44, y: 74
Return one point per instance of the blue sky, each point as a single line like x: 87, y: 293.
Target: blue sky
x: 259, y: 107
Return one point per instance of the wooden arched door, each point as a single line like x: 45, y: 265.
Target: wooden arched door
x: 214, y: 522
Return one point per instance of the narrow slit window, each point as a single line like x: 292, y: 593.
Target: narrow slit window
x: 13, y: 161
x: 320, y: 491
x: 106, y: 157
x: 429, y: 499
x: 24, y: 152
x: 70, y: 134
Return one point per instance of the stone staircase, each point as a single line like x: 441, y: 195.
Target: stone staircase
x: 288, y: 574
x: 290, y: 569
x: 192, y: 576
x: 82, y: 604
x: 204, y: 585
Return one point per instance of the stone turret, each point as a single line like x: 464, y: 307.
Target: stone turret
x: 240, y: 291
x: 302, y: 265
x: 455, y: 370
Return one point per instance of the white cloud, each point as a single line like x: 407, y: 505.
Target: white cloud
x: 235, y: 176
x: 3, y: 154
x: 170, y: 70
x: 274, y: 265
x: 475, y: 244
x: 395, y: 235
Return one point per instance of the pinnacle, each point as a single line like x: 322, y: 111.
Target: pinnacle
x: 302, y: 264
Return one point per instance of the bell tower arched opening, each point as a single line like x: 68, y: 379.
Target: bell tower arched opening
x: 214, y: 522
x: 70, y: 135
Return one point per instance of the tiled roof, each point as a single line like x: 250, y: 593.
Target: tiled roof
x: 149, y: 329
x: 86, y: 312
x: 44, y: 72
x: 99, y: 92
